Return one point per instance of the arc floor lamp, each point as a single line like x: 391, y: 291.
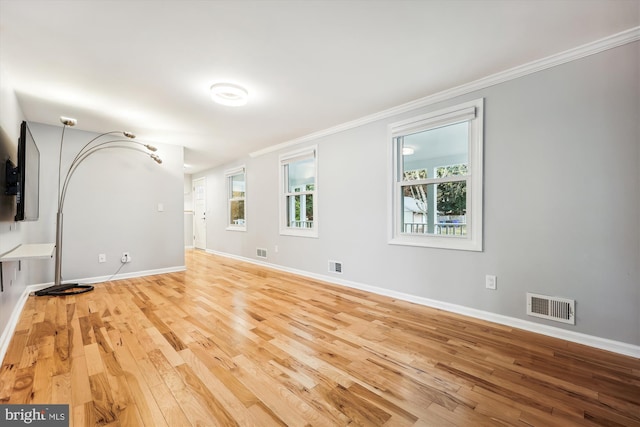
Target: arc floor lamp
x: 95, y: 145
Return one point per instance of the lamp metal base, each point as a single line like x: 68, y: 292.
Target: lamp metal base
x: 64, y: 289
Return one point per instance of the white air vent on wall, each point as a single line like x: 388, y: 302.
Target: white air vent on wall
x: 262, y: 253
x: 552, y: 308
x: 335, y: 267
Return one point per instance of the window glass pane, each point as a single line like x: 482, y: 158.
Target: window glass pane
x: 237, y: 185
x: 452, y: 200
x: 438, y: 209
x: 301, y: 175
x: 300, y: 211
x: 452, y: 170
x: 415, y: 206
x: 412, y: 175
x: 237, y: 212
x: 434, y: 148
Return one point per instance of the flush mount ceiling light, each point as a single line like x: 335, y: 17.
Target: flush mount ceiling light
x: 229, y: 94
x: 407, y: 151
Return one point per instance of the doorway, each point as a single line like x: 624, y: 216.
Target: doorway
x: 200, y: 213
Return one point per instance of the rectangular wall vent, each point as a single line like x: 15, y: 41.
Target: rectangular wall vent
x: 335, y: 267
x: 262, y: 253
x: 552, y: 308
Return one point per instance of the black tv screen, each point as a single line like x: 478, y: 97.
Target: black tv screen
x: 8, y: 150
x: 23, y: 180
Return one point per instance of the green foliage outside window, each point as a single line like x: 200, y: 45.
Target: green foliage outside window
x: 452, y: 196
x: 308, y: 204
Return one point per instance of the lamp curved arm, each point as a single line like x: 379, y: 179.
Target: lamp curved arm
x: 71, y: 122
x: 82, y: 152
x: 103, y: 146
x: 127, y: 134
x: 87, y: 150
x: 60, y: 160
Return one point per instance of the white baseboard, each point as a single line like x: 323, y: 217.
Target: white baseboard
x: 9, y: 330
x: 576, y: 337
x: 98, y: 279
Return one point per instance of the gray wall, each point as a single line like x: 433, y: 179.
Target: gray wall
x: 188, y: 212
x: 561, y: 208
x: 11, y: 233
x: 111, y: 207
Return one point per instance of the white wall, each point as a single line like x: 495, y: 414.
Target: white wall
x: 561, y: 202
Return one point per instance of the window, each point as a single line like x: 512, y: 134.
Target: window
x: 437, y: 179
x: 236, y: 196
x: 298, y: 193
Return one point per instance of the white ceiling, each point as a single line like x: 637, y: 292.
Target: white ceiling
x: 146, y: 66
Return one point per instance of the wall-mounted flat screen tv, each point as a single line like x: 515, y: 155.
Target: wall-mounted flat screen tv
x: 8, y: 150
x: 23, y: 179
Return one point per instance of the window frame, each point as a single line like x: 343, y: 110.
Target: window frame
x: 284, y: 160
x: 228, y: 175
x: 473, y: 113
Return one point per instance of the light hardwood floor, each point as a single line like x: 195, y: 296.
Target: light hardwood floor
x: 231, y: 343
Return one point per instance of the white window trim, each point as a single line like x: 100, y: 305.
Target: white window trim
x: 473, y: 112
x: 290, y: 157
x: 227, y: 175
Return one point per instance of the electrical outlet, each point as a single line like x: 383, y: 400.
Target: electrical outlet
x: 125, y: 257
x: 490, y: 282
x: 102, y: 258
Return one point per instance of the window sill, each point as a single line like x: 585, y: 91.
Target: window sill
x: 437, y: 242
x: 298, y: 232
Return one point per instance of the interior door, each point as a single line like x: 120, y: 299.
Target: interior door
x: 199, y: 213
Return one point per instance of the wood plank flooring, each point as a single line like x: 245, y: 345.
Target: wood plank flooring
x: 229, y: 343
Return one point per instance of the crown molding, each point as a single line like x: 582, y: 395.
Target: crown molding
x: 610, y: 42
